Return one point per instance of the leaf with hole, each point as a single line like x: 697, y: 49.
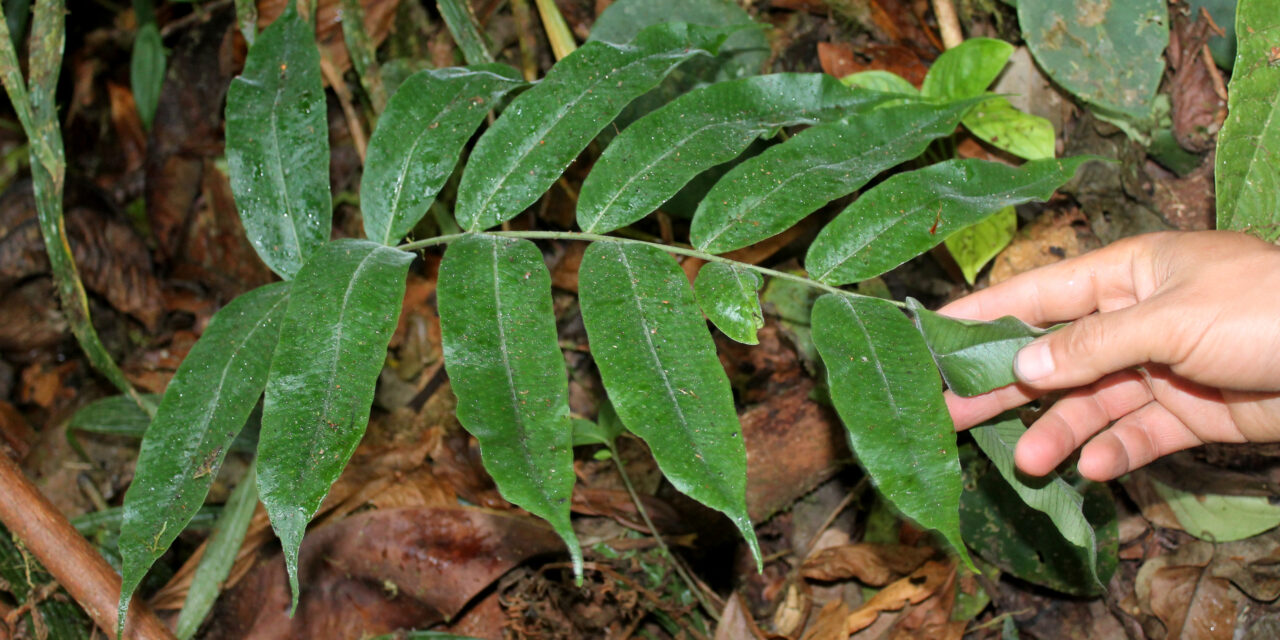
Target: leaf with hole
x: 965, y: 71
x: 659, y: 367
x: 1248, y: 163
x: 278, y: 146
x: 885, y: 390
x: 913, y: 212
x: 1108, y: 54
x: 774, y: 190
x: 419, y: 139
x: 663, y: 151
x: 498, y: 330
x: 1049, y: 494
x: 204, y: 407
x: 544, y: 130
x: 729, y: 295
x: 974, y: 357
x: 333, y: 341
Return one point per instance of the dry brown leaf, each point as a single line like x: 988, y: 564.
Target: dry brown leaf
x: 792, y: 612
x: 736, y: 623
x: 1050, y: 238
x: 872, y: 564
x: 840, y: 59
x: 830, y: 624
x: 909, y: 590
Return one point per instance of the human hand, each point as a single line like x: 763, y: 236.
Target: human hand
x: 1176, y: 338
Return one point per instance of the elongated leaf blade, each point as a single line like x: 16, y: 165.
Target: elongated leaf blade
x: 1049, y: 494
x: 729, y: 295
x: 146, y: 71
x: 278, y: 146
x: 204, y: 407
x: 544, y: 129
x: 767, y: 194
x: 659, y: 367
x: 1248, y: 164
x: 498, y: 329
x: 965, y: 71
x: 886, y: 393
x: 219, y: 555
x: 333, y: 341
x: 663, y: 151
x: 912, y: 212
x: 419, y: 139
x: 974, y: 357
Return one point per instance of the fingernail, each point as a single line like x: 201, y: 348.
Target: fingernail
x: 1033, y: 362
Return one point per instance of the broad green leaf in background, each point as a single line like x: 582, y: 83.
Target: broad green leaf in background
x: 219, y: 555
x: 974, y: 357
x: 544, y: 130
x: 659, y: 366
x: 114, y: 415
x: 419, y: 139
x: 880, y: 80
x: 1050, y: 494
x: 660, y: 153
x: 1109, y: 54
x: 278, y: 146
x: 204, y: 407
x: 965, y: 71
x: 1219, y: 518
x: 1002, y: 126
x: 913, y: 212
x: 1004, y: 531
x: 498, y: 329
x: 774, y: 190
x: 342, y: 309
x: 1248, y: 165
x: 975, y: 245
x: 729, y: 296
x: 146, y: 71
x: 885, y: 390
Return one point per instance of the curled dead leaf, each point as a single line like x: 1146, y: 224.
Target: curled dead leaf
x: 871, y: 564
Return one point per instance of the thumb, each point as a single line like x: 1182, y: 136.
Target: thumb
x: 1090, y: 348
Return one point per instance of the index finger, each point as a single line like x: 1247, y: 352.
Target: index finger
x: 1100, y: 280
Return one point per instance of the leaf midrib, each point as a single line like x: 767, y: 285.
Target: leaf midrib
x: 277, y: 167
x: 549, y: 125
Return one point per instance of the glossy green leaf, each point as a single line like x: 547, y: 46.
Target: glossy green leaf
x: 974, y: 357
x: 204, y: 407
x: 419, y: 139
x: 1049, y: 494
x: 912, y: 212
x: 1248, y: 164
x: 278, y: 146
x: 1219, y: 518
x: 219, y: 555
x: 146, y: 71
x: 975, y: 245
x: 999, y: 124
x: 498, y: 329
x: 1107, y: 53
x: 774, y: 190
x: 885, y: 390
x: 659, y: 367
x: 729, y: 295
x: 1004, y: 531
x: 333, y: 341
x: 663, y: 151
x: 543, y: 130
x: 965, y: 71
x: 880, y: 80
